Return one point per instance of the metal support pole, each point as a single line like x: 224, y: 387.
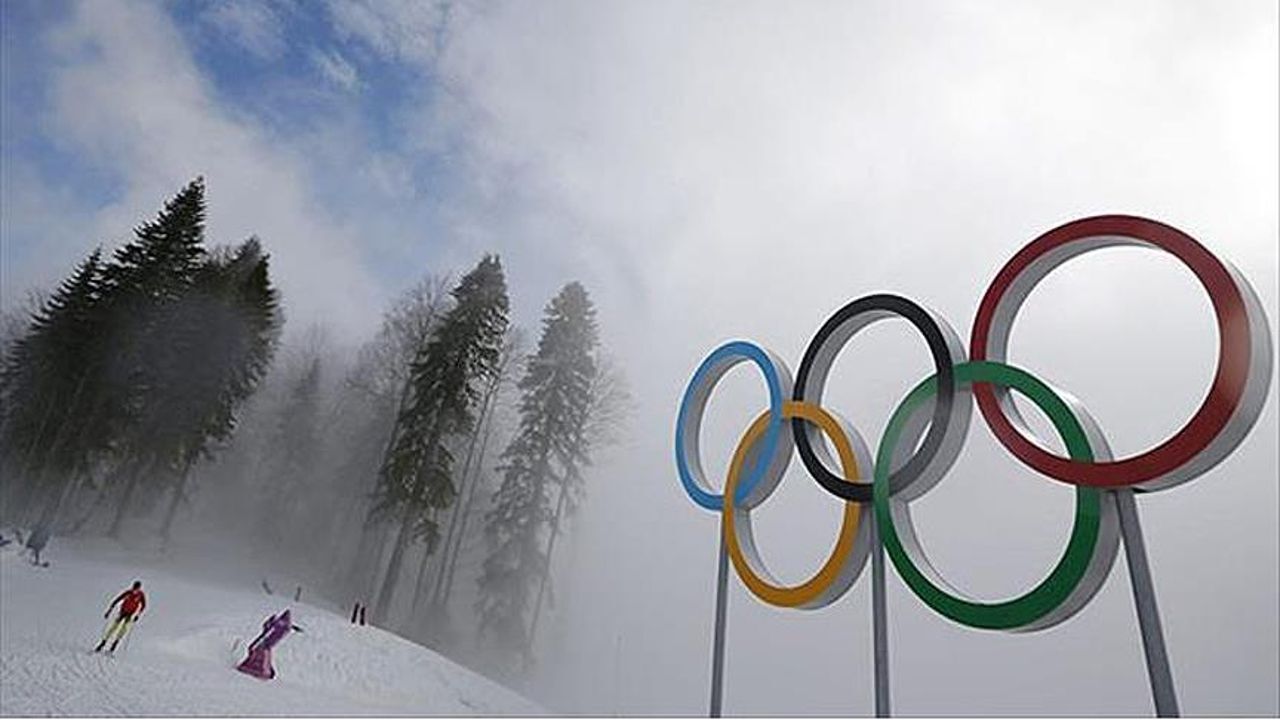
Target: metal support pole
x: 717, y: 647
x: 1144, y: 600
x: 879, y: 623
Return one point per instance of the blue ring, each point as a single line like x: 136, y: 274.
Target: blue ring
x: 754, y: 353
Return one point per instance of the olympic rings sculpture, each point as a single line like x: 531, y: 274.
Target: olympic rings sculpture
x: 927, y: 431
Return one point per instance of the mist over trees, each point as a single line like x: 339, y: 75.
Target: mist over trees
x: 133, y: 369
x: 544, y: 459
x: 428, y: 473
x: 445, y: 380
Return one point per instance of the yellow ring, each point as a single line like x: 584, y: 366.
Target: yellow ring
x: 814, y: 591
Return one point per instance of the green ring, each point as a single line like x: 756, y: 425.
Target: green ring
x: 1023, y: 611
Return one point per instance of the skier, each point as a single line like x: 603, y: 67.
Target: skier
x: 258, y: 663
x: 132, y: 603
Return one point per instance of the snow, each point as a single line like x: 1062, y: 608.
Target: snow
x: 180, y: 657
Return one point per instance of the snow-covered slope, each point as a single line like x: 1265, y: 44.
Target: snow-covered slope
x: 180, y: 657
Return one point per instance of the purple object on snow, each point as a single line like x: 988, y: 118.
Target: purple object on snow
x: 258, y: 664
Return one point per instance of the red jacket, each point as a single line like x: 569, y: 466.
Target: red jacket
x: 132, y: 602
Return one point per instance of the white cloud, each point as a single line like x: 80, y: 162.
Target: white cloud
x: 408, y: 30
x: 335, y: 68
x: 127, y: 96
x: 252, y: 24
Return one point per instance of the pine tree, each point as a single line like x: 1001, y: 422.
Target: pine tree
x: 222, y: 335
x: 472, y: 470
x: 48, y: 383
x: 140, y: 361
x: 546, y: 455
x: 146, y: 282
x: 295, y: 446
x: 445, y: 385
x: 299, y: 431
x: 378, y: 388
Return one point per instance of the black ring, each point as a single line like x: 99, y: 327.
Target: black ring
x: 928, y: 327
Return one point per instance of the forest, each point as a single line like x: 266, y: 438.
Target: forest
x: 430, y: 473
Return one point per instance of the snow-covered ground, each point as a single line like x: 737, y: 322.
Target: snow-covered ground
x: 181, y: 655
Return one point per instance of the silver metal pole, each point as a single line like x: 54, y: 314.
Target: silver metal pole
x: 1144, y: 600
x: 717, y: 647
x: 879, y: 623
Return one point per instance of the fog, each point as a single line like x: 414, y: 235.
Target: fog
x: 740, y: 171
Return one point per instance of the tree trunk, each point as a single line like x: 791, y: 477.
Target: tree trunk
x: 383, y: 603
x: 125, y: 500
x: 103, y: 492
x: 23, y: 494
x: 29, y: 487
x: 178, y: 491
x: 428, y: 554
x: 382, y: 534
x: 79, y: 523
x: 373, y: 574
x: 546, y: 567
x: 372, y: 537
x: 422, y: 575
x: 452, y: 559
x: 463, y: 488
x: 55, y: 445
x: 54, y: 506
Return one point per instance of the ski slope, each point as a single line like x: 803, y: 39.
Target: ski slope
x: 181, y: 654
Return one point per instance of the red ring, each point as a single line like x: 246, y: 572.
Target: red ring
x: 1228, y: 380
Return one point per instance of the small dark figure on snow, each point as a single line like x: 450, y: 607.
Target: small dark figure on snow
x: 132, y: 602
x: 36, y: 542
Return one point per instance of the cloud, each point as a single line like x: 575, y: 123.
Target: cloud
x: 335, y: 68
x: 405, y: 30
x: 253, y: 25
x: 126, y: 95
x: 713, y: 171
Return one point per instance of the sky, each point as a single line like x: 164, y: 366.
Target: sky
x: 737, y: 170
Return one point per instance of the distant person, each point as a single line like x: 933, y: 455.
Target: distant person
x: 132, y: 602
x: 36, y: 542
